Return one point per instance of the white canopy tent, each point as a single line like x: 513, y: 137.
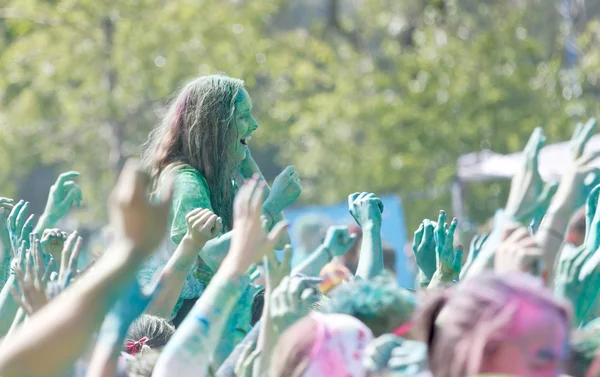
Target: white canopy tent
x: 487, y: 165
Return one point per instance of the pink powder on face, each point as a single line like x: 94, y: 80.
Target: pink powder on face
x: 533, y: 343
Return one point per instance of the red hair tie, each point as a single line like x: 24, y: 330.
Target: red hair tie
x: 135, y: 347
x: 403, y: 329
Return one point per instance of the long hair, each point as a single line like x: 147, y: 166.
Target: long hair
x: 199, y: 130
x: 460, y: 323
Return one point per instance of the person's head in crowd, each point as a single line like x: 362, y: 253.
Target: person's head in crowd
x: 333, y: 275
x: 494, y: 324
x: 350, y: 259
x: 309, y: 231
x: 576, y: 230
x: 379, y: 303
x: 205, y: 127
x: 322, y: 345
x: 148, y: 332
x: 142, y: 365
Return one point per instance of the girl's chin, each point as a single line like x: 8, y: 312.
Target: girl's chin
x: 242, y: 153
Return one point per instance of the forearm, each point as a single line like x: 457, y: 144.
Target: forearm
x: 550, y: 236
x: 215, y: 250
x: 439, y: 280
x: 236, y: 332
x: 172, y: 279
x: 5, y: 267
x: 189, y: 351
x: 370, y: 263
x: 71, y: 318
x: 106, y: 354
x: 45, y: 222
x: 8, y: 306
x: 315, y: 262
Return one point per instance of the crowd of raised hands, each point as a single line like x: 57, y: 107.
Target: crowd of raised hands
x: 521, y: 300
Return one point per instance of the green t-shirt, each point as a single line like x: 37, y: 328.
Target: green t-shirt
x: 191, y: 192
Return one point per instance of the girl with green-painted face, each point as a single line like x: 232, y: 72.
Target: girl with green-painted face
x: 203, y: 143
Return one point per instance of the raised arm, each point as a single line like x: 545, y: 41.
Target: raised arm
x: 367, y: 210
x: 72, y: 318
x: 338, y: 242
x: 189, y: 351
x: 203, y: 225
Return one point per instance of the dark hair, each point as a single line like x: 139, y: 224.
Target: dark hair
x: 379, y: 303
x: 198, y: 130
x: 158, y: 331
x: 257, y: 307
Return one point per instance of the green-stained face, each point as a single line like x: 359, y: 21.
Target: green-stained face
x: 244, y: 123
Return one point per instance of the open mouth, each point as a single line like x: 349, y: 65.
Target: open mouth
x: 245, y: 140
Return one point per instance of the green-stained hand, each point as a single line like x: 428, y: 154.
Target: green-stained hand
x: 578, y: 275
x: 365, y: 208
x: 284, y: 192
x: 526, y: 198
x: 292, y: 300
x: 31, y: 281
x: 476, y: 245
x: 19, y: 225
x: 424, y: 249
x: 572, y: 189
x: 64, y: 193
x: 449, y: 259
x: 339, y: 240
x: 5, y: 243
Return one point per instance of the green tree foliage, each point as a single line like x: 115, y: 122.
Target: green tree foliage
x: 377, y: 95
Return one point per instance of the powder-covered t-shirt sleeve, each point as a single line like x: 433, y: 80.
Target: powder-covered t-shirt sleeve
x: 191, y: 192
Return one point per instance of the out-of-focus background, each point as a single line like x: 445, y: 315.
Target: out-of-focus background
x: 359, y: 95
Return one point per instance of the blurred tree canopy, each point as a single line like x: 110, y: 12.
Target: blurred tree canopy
x: 371, y: 95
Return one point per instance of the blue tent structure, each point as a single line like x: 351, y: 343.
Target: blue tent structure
x: 393, y: 228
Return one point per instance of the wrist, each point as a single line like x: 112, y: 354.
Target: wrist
x: 371, y: 225
x: 44, y: 222
x: 327, y: 251
x: 270, y: 209
x: 189, y: 242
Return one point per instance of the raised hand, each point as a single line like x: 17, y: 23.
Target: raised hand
x: 292, y: 300
x: 250, y: 242
x: 52, y: 243
x: 338, y: 240
x: 134, y: 219
x: 449, y: 260
x: 578, y: 268
x: 525, y: 197
x: 476, y: 245
x: 365, y: 208
x: 277, y: 270
x: 6, y: 206
x: 203, y: 225
x: 572, y: 185
x: 19, y: 228
x: 424, y: 249
x: 64, y: 193
x: 32, y: 281
x: 285, y: 190
x: 68, y: 260
x: 518, y: 252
